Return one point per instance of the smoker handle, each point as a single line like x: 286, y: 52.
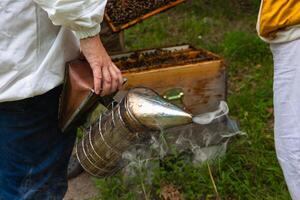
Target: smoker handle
x: 109, y: 101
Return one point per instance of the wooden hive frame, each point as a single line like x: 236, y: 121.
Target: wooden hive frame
x: 119, y: 28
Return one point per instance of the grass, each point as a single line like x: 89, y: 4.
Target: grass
x: 249, y: 171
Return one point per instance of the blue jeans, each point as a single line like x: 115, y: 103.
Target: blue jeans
x: 34, y: 154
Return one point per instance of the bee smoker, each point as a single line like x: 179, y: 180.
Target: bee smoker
x: 141, y: 111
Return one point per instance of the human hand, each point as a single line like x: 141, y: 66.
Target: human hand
x: 107, y: 76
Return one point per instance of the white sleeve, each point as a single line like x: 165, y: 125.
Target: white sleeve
x: 81, y: 16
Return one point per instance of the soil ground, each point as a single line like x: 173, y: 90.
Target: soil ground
x: 81, y: 188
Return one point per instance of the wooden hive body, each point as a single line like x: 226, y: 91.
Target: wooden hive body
x: 203, y: 83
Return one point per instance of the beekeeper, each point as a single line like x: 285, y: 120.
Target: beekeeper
x: 279, y: 25
x: 37, y: 38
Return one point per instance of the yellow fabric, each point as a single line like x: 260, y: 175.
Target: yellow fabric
x: 276, y: 15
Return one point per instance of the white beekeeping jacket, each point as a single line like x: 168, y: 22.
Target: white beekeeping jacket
x: 37, y: 38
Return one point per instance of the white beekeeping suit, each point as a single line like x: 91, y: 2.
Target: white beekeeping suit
x: 37, y: 38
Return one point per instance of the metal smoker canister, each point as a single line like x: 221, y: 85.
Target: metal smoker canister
x: 140, y: 111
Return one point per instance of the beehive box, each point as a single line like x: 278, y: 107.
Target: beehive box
x: 122, y: 14
x: 195, y: 77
